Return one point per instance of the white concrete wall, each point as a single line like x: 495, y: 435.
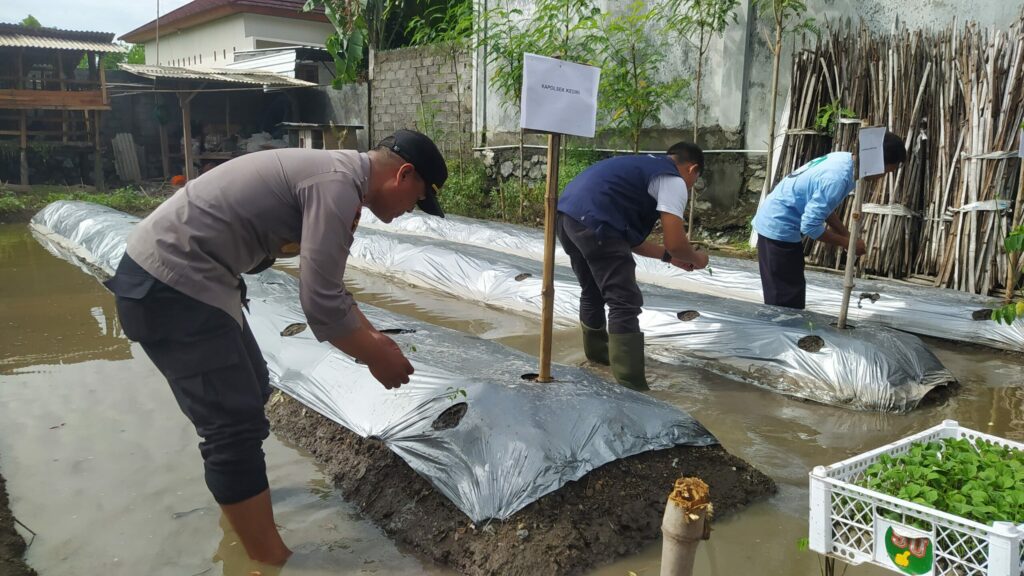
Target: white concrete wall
x: 213, y: 44
x: 286, y: 31
x: 738, y: 67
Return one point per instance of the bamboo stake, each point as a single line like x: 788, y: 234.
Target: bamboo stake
x: 851, y: 254
x: 548, y: 289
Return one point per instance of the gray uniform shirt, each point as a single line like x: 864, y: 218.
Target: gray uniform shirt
x: 265, y: 204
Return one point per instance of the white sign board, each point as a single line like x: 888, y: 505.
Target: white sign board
x: 559, y: 96
x: 869, y: 154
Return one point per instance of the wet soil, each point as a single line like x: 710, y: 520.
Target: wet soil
x: 12, y: 545
x: 811, y: 343
x: 613, y: 511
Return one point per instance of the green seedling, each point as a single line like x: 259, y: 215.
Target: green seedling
x: 979, y: 480
x: 452, y: 393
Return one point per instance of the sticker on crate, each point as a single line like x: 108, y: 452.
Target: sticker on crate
x: 903, y: 548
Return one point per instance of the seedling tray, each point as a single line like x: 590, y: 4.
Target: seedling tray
x: 858, y: 525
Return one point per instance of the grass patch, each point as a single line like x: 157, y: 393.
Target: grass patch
x: 126, y: 199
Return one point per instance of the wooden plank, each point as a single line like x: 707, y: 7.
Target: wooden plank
x: 52, y: 100
x: 23, y: 152
x: 126, y: 161
x: 98, y: 180
x: 103, y: 86
x: 185, y: 100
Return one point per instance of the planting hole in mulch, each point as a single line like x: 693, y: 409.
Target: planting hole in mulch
x: 811, y: 343
x: 523, y: 276
x: 872, y: 296
x: 687, y: 315
x: 530, y: 377
x: 982, y: 314
x: 293, y: 329
x: 398, y: 331
x: 451, y: 417
x: 836, y: 325
x: 613, y: 511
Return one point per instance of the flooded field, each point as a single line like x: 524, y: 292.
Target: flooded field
x: 102, y: 465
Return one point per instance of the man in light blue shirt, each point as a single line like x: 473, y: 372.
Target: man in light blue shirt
x: 802, y: 204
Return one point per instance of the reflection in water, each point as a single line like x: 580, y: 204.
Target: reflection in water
x: 50, y: 312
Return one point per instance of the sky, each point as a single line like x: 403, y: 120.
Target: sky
x: 117, y: 16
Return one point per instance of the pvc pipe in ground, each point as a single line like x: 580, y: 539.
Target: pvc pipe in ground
x: 687, y: 521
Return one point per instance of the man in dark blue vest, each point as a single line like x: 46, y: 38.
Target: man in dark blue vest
x: 604, y: 217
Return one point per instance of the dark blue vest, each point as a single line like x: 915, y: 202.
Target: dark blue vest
x: 611, y: 196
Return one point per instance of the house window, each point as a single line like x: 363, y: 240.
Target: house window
x: 200, y: 58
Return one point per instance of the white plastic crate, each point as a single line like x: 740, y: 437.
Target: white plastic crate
x: 845, y: 521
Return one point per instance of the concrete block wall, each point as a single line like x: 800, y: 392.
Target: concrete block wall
x: 419, y: 88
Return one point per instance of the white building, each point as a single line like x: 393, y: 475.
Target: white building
x: 208, y: 33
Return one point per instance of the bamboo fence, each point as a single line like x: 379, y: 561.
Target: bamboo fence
x: 956, y: 96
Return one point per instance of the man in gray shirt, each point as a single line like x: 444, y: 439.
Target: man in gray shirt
x: 180, y: 293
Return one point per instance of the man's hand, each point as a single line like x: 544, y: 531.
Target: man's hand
x: 380, y: 354
x: 862, y: 248
x: 701, y: 258
x: 387, y: 363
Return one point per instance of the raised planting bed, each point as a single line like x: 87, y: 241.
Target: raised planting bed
x: 613, y: 511
x: 945, y: 501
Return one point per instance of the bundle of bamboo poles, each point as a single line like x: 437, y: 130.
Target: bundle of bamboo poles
x: 956, y: 96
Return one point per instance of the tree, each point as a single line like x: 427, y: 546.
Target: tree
x: 633, y: 87
x: 786, y: 16
x: 557, y: 28
x: 136, y: 54
x: 708, y: 18
x: 450, y: 28
x: 31, y: 22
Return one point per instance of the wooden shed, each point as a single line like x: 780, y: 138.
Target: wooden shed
x: 41, y: 99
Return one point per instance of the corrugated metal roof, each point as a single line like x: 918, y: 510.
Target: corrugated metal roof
x: 22, y: 41
x: 253, y: 77
x: 18, y: 36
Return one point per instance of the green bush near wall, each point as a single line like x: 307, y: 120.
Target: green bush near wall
x: 468, y: 191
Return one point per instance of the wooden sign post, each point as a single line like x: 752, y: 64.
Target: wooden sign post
x: 558, y: 98
x: 548, y: 284
x: 870, y: 161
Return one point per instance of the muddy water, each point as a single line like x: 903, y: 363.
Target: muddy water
x: 103, y: 466
x: 100, y: 462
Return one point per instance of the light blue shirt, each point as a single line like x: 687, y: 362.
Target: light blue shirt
x: 800, y: 203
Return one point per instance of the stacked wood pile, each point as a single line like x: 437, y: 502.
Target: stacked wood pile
x: 956, y: 96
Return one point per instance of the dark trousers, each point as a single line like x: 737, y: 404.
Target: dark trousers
x: 607, y: 275
x: 782, y: 272
x: 216, y: 372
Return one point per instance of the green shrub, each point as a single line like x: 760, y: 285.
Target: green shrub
x: 464, y: 191
x: 9, y: 204
x: 574, y: 161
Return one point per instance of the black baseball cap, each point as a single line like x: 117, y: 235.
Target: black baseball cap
x: 420, y: 151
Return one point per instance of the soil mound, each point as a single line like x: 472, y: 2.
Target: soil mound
x: 12, y: 546
x: 613, y: 511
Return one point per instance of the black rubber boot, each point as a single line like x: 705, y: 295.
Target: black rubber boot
x: 626, y: 352
x: 595, y: 344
